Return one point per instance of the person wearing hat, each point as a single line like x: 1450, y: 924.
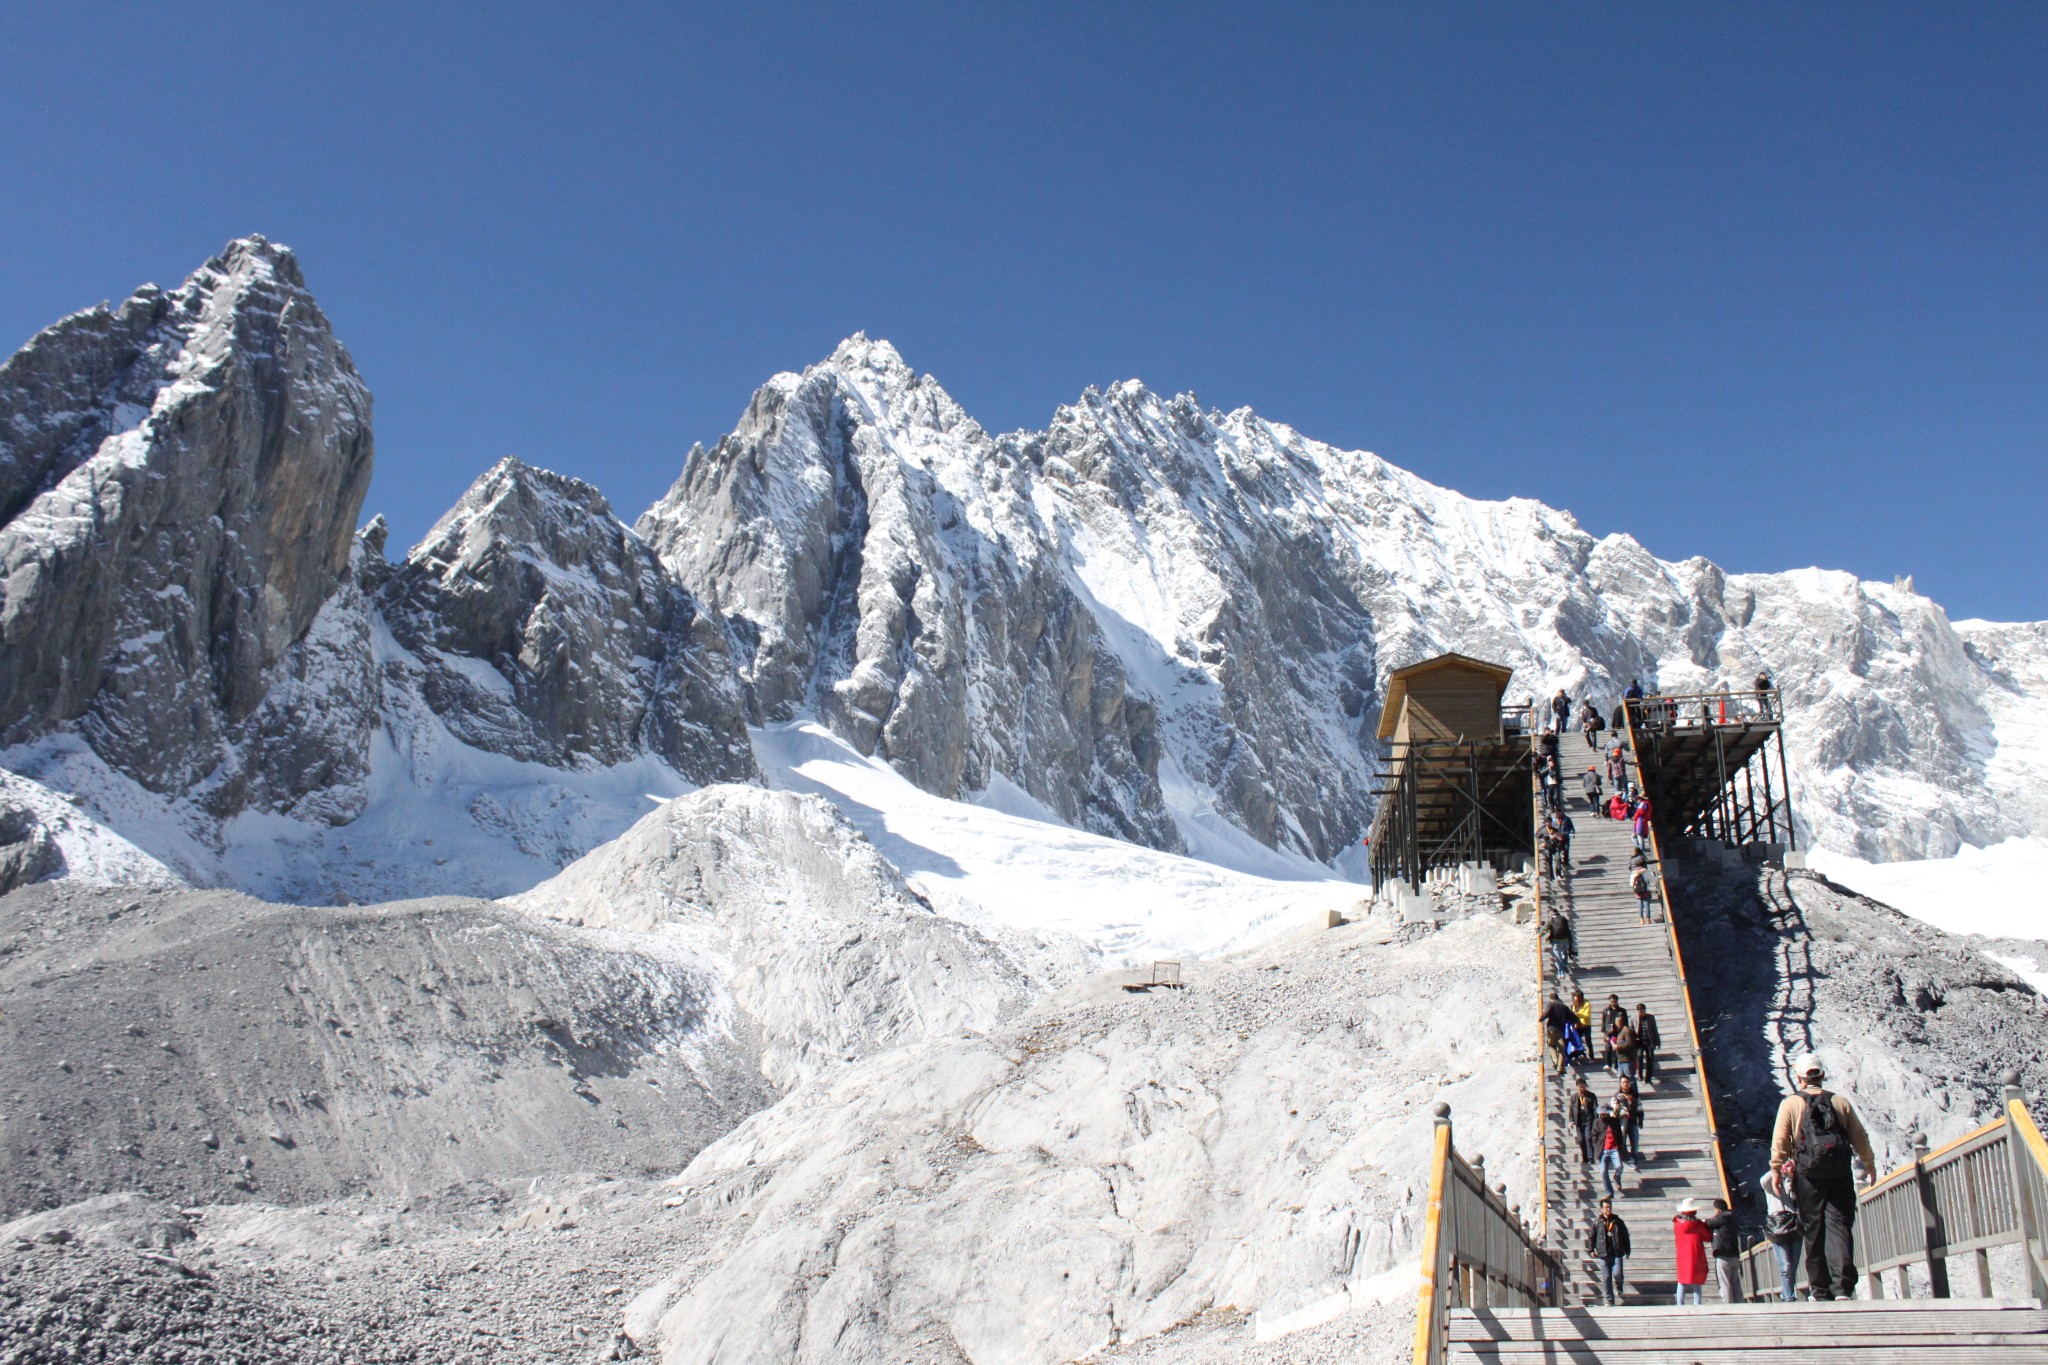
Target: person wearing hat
x: 1692, y: 1238
x: 1816, y: 1131
x: 1608, y: 1244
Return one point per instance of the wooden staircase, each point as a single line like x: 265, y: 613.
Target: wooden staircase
x: 1620, y: 955
x: 1881, y: 1332
x: 1496, y: 1290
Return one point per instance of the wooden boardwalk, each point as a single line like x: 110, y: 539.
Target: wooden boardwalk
x: 1619, y: 955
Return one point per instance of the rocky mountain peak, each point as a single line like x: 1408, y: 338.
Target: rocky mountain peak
x: 541, y: 627
x: 514, y: 507
x: 180, y: 478
x: 871, y: 355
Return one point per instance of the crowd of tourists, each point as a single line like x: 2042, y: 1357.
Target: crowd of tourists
x: 1809, y: 1188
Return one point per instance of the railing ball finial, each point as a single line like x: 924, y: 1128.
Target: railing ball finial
x: 1443, y: 1110
x: 2010, y: 1078
x: 1919, y: 1145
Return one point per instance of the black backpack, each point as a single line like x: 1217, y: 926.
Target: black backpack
x: 1823, y: 1146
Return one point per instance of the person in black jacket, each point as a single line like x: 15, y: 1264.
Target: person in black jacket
x: 1557, y: 1017
x: 1585, y: 1109
x: 1612, y: 1014
x: 1727, y: 1255
x: 1648, y: 1040
x: 1608, y: 1242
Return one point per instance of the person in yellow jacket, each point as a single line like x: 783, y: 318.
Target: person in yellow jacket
x: 1813, y: 1138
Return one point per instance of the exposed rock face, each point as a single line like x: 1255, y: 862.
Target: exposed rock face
x: 183, y: 605
x: 547, y: 631
x: 181, y: 477
x: 1916, y: 1025
x: 1166, y: 624
x: 881, y: 557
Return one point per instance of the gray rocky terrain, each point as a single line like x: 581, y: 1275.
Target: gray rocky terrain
x: 717, y: 1082
x: 1914, y: 1024
x: 200, y: 1046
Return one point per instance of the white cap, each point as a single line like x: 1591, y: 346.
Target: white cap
x: 1809, y: 1065
x: 1689, y: 1206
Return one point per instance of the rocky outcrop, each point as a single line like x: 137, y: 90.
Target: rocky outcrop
x: 181, y: 478
x: 1166, y: 624
x: 547, y: 631
x: 28, y: 852
x: 183, y: 606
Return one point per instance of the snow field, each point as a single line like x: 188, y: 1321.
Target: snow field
x: 1008, y: 862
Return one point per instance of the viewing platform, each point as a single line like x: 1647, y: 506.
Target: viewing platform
x: 1713, y: 765
x: 1456, y: 788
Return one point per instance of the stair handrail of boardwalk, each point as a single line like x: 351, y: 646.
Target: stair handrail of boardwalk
x: 1476, y: 1251
x: 1987, y: 1188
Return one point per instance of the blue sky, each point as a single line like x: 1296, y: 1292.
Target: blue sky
x: 1767, y: 283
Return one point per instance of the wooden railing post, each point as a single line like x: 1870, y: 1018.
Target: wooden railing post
x: 1982, y: 1257
x: 1933, y: 1228
x: 2028, y: 1216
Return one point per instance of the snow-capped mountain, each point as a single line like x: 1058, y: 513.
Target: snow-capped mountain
x: 1152, y: 621
x: 1149, y: 606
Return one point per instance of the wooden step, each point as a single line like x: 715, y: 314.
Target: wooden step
x: 1881, y: 1332
x: 1848, y: 1317
x: 2018, y: 1351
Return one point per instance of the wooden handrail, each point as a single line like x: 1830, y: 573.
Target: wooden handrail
x: 2030, y: 1132
x: 1935, y: 1229
x: 1429, y: 1313
x: 1476, y: 1251
x: 1932, y: 1159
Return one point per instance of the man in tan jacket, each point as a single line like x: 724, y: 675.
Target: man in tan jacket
x: 1812, y: 1140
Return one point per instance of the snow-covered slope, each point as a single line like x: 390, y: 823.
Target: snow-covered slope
x: 826, y: 953
x: 1007, y: 863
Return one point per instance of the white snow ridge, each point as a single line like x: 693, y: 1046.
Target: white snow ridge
x: 710, y: 938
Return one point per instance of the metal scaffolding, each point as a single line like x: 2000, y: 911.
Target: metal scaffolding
x: 1713, y: 765
x: 1447, y: 802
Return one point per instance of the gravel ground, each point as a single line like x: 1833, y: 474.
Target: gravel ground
x: 534, y: 1272
x: 205, y: 1047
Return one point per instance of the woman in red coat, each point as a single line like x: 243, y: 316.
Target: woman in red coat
x: 1693, y: 1238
